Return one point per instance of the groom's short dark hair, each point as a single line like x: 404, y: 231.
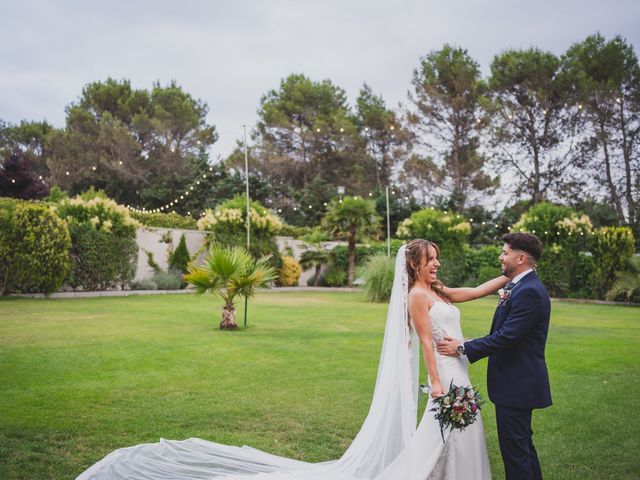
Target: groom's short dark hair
x: 527, y: 242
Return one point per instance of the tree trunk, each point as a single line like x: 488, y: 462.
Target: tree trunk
x: 316, y: 278
x: 607, y: 164
x: 228, y: 317
x: 352, y: 256
x: 626, y: 155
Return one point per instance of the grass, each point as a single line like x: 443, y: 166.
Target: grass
x: 82, y: 377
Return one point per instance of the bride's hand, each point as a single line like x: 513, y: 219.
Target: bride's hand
x: 436, y: 390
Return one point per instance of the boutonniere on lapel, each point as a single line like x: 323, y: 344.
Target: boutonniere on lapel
x: 505, y: 293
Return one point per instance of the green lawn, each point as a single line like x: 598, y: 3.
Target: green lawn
x: 82, y: 377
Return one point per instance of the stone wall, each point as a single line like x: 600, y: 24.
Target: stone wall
x: 161, y: 241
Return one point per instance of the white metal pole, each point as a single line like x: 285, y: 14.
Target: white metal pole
x: 246, y: 174
x: 388, y: 226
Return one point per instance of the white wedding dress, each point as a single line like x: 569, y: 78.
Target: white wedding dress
x: 387, y: 447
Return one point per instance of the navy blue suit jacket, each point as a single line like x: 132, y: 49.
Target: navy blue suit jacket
x: 517, y: 372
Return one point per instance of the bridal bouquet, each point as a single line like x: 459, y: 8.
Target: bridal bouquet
x: 458, y: 408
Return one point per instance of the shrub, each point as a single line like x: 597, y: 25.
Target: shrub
x: 170, y: 280
x: 449, y: 231
x: 144, y: 284
x: 564, y: 234
x: 611, y: 248
x: 104, y: 251
x: 627, y: 284
x: 100, y: 260
x: 165, y: 220
x: 378, y: 275
x: 231, y: 216
x: 152, y: 262
x: 290, y: 272
x: 294, y: 231
x: 481, y: 264
x: 486, y: 273
x: 34, y: 248
x: 339, y: 257
x: 227, y: 226
x: 180, y: 257
x: 335, y: 277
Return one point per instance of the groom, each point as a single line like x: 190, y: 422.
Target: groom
x: 517, y: 378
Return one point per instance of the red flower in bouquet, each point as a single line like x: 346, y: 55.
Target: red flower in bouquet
x: 458, y: 408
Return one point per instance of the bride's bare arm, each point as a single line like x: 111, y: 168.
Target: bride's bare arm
x: 464, y: 294
x: 419, y: 311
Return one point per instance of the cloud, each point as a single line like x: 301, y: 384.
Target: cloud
x: 230, y: 53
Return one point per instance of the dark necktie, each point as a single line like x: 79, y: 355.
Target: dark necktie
x: 508, y: 287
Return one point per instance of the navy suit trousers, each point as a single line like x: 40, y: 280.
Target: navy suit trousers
x: 516, y: 444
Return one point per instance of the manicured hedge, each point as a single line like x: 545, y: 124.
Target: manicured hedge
x: 34, y: 248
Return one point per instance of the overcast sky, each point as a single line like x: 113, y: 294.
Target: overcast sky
x: 229, y: 53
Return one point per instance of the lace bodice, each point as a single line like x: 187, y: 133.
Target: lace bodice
x: 445, y: 320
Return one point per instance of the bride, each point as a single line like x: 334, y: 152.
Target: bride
x: 388, y: 445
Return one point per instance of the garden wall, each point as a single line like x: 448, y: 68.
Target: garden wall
x: 161, y: 241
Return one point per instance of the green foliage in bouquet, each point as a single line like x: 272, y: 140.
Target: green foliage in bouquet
x: 457, y: 409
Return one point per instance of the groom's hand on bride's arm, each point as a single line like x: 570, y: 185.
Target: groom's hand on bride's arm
x: 448, y: 346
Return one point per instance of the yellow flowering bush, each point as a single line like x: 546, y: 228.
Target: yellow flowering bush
x: 96, y: 209
x: 290, y: 272
x: 103, y: 241
x: 226, y: 224
x: 440, y: 227
x: 232, y: 215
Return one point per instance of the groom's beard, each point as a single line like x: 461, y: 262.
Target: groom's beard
x: 507, y: 271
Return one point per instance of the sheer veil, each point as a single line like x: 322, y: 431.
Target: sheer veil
x: 386, y: 430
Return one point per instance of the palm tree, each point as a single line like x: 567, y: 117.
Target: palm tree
x: 229, y: 271
x: 351, y: 218
x: 627, y: 282
x: 315, y: 254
